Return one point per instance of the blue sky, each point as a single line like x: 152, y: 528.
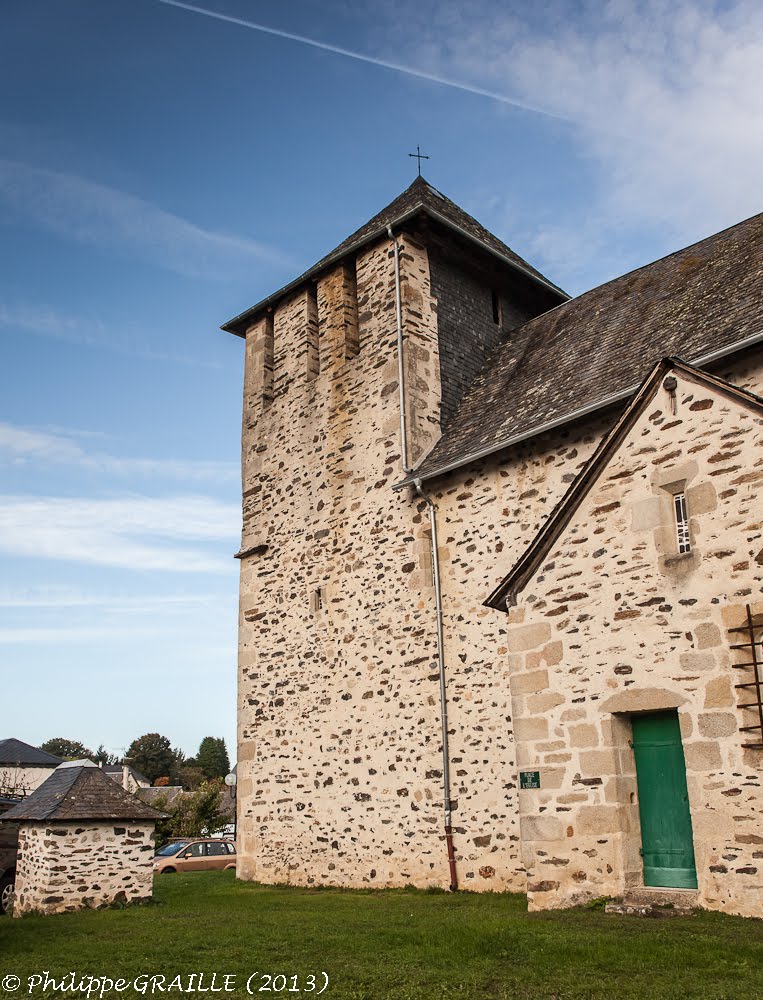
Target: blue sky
x: 162, y: 169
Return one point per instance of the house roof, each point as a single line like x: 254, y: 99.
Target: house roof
x: 116, y: 770
x: 419, y: 198
x: 164, y: 794
x: 81, y: 793
x: 20, y: 754
x: 526, y: 567
x: 699, y: 303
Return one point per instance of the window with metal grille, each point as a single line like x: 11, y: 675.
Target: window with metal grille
x: 682, y: 522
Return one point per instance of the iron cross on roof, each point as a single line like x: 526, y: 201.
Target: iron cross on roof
x: 419, y: 156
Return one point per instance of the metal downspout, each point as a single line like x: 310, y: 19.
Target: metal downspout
x: 400, y: 363
x: 435, y: 566
x: 443, y: 699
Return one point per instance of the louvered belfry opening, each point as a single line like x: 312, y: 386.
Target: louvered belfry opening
x: 751, y: 686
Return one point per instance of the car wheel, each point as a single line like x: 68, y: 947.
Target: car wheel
x: 6, y: 893
x: 168, y: 871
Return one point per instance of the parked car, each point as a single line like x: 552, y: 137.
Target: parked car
x: 201, y: 855
x: 9, y: 847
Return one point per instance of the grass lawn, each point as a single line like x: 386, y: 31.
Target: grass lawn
x: 397, y: 943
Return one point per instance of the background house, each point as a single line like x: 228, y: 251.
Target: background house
x: 23, y: 767
x: 130, y: 779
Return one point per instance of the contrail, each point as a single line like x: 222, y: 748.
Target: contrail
x: 360, y: 57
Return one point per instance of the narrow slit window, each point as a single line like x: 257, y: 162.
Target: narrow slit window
x: 682, y: 522
x: 316, y: 600
x: 496, y: 308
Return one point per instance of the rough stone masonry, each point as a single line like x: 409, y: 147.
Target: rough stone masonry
x: 339, y: 747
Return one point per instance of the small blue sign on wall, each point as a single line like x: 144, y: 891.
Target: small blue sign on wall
x: 529, y: 779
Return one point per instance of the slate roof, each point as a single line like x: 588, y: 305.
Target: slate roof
x: 115, y: 773
x: 590, y: 351
x: 420, y: 197
x: 162, y: 793
x: 20, y: 754
x: 527, y: 565
x: 81, y: 793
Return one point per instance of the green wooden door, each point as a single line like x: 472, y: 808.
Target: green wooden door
x: 667, y: 844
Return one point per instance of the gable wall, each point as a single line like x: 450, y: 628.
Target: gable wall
x: 616, y: 622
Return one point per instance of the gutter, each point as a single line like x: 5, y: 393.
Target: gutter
x: 583, y: 411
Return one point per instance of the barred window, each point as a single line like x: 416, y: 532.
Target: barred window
x: 682, y: 522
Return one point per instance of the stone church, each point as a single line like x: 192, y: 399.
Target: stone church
x: 501, y: 604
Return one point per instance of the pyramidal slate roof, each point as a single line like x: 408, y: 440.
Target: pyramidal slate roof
x: 419, y: 198
x: 700, y: 303
x: 19, y: 754
x: 81, y: 793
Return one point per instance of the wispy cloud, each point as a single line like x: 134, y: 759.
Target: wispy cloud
x: 88, y: 331
x: 409, y: 69
x: 136, y: 533
x: 69, y: 598
x: 76, y: 634
x: 21, y: 445
x: 667, y: 96
x: 94, y: 214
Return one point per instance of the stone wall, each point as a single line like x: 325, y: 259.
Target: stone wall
x: 618, y: 622
x: 467, y: 300
x: 340, y: 765
x: 73, y: 866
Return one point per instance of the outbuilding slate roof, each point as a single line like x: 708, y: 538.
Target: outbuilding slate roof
x: 419, y: 197
x: 19, y: 754
x: 81, y: 793
x: 586, y: 353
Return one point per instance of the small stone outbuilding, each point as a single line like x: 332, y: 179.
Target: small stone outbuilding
x: 635, y: 645
x: 84, y: 842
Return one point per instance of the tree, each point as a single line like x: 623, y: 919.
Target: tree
x: 212, y: 757
x: 151, y: 755
x: 189, y: 776
x: 102, y: 756
x: 66, y: 749
x: 191, y: 814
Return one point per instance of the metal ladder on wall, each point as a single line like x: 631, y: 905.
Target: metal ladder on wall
x: 753, y: 630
